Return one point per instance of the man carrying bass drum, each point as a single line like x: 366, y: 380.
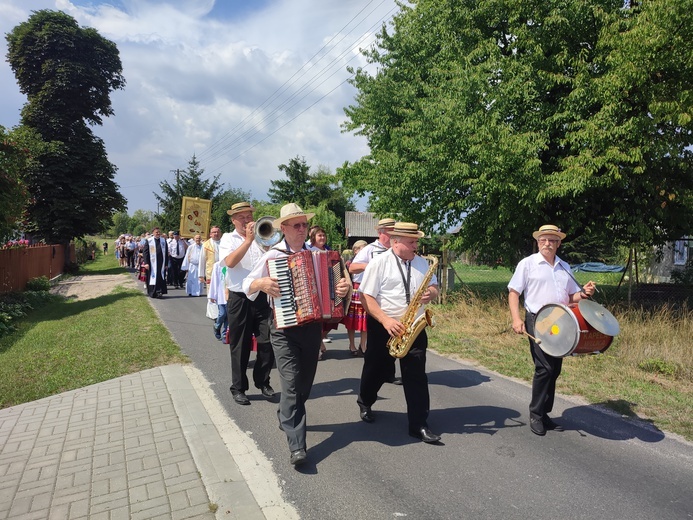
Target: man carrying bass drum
x: 543, y: 278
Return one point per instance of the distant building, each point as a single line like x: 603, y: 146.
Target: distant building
x: 360, y: 225
x: 674, y: 256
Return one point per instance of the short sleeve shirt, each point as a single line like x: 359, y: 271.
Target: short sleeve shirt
x: 234, y: 276
x: 543, y: 283
x: 260, y: 269
x: 383, y: 281
x: 367, y: 253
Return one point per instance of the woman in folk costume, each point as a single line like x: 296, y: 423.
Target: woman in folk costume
x: 192, y: 265
x: 154, y: 260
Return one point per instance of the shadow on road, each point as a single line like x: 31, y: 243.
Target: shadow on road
x: 595, y: 420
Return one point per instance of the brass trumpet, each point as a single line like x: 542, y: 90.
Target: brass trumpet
x: 265, y: 234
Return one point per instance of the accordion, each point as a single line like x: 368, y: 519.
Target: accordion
x: 307, y: 281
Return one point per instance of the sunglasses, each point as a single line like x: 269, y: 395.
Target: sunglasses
x: 298, y: 227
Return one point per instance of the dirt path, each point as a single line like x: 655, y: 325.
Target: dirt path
x: 92, y: 286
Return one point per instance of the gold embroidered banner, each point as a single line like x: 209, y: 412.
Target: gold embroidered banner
x: 194, y: 217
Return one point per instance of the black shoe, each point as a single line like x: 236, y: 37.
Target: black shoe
x: 298, y: 457
x: 425, y: 435
x: 267, y: 391
x: 549, y: 424
x: 395, y: 381
x: 366, y: 413
x: 537, y: 426
x: 241, y: 398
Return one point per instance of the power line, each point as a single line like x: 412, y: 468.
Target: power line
x: 222, y: 147
x: 287, y: 83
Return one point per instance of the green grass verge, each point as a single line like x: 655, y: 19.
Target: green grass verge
x: 70, y: 344
x: 646, y: 373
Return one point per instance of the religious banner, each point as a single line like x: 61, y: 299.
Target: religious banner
x: 194, y: 217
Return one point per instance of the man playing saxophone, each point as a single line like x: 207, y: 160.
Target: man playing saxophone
x: 389, y: 293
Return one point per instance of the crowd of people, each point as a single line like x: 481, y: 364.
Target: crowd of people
x: 172, y: 261
x: 390, y: 282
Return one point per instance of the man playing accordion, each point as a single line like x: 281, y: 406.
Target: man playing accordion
x: 295, y: 348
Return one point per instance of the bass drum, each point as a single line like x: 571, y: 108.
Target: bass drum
x: 585, y: 328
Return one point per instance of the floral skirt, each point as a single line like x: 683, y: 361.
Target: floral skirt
x: 356, y: 315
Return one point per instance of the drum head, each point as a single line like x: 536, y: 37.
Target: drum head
x: 599, y: 318
x: 557, y: 328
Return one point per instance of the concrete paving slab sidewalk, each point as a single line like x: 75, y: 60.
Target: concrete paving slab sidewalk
x: 152, y: 445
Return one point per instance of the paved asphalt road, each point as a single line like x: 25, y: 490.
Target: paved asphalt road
x: 489, y: 464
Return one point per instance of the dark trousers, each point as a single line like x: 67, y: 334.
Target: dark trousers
x: 130, y: 257
x: 378, y: 367
x: 296, y: 350
x: 546, y: 371
x: 177, y: 274
x: 246, y: 318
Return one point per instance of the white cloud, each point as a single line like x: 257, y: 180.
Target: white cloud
x: 197, y: 73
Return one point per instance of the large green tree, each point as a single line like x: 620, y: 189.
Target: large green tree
x: 504, y: 115
x: 67, y: 73
x: 311, y: 189
x: 14, y: 197
x: 222, y: 203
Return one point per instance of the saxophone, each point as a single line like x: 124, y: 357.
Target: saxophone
x: 399, y: 345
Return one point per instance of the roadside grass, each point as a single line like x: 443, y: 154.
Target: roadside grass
x: 70, y: 344
x: 646, y: 373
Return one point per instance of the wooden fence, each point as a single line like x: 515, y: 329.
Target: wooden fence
x: 19, y: 265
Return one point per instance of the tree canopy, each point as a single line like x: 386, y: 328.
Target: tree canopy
x: 14, y: 196
x: 311, y: 190
x: 187, y: 183
x: 67, y: 73
x: 503, y: 116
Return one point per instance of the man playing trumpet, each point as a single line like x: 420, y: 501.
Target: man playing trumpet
x: 241, y: 254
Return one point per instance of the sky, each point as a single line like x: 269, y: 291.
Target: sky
x: 244, y: 85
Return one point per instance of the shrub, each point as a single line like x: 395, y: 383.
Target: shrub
x: 42, y: 283
x: 683, y: 276
x: 660, y: 366
x: 14, y: 306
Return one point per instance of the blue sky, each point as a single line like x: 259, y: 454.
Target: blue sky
x: 244, y: 85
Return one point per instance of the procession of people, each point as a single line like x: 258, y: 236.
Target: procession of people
x: 392, y: 285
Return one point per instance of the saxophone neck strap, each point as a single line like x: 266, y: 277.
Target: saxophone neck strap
x: 405, y: 280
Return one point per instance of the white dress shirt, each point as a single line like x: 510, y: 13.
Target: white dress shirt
x: 543, y: 283
x: 234, y: 276
x: 383, y: 281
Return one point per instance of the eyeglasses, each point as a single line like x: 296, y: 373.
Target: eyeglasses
x: 299, y: 226
x: 550, y: 240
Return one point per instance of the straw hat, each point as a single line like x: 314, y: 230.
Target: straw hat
x: 548, y: 229
x: 385, y: 223
x: 239, y: 207
x: 288, y: 212
x: 406, y: 229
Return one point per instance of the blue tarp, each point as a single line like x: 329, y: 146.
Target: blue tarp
x: 597, y: 267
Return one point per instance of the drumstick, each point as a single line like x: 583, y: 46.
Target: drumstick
x: 536, y: 340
